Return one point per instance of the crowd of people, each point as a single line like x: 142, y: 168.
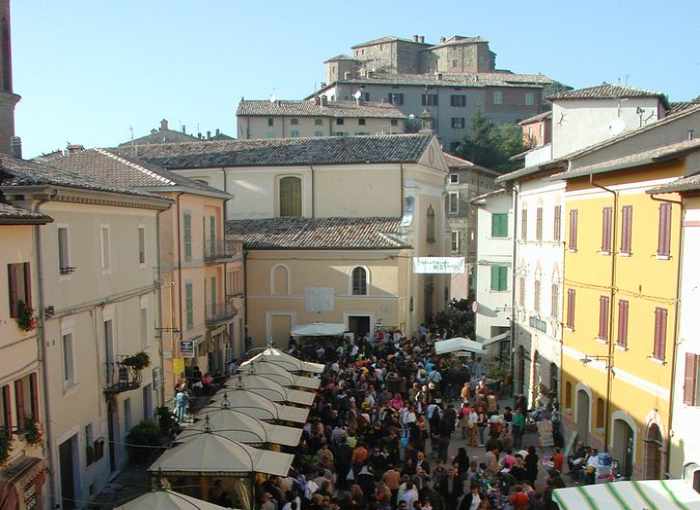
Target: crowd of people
x: 381, y: 427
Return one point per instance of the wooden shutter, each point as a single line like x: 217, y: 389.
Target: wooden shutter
x: 691, y: 367
x: 626, y: 238
x: 555, y: 301
x: 539, y: 224
x: 494, y: 277
x: 573, y: 229
x: 12, y: 287
x: 603, y: 317
x: 7, y: 404
x: 607, y: 229
x: 660, y: 333
x: 27, y: 285
x: 557, y: 223
x: 664, y: 244
x: 19, y: 403
x: 34, y: 393
x: 571, y: 308
x: 537, y: 296
x: 622, y: 321
x: 523, y: 225
x: 522, y: 292
x: 502, y: 278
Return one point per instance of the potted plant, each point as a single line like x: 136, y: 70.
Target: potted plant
x: 32, y: 432
x: 138, y: 361
x: 25, y: 317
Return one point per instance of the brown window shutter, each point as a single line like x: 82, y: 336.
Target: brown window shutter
x: 28, y: 284
x: 662, y: 333
x: 691, y: 361
x: 573, y: 229
x: 571, y: 308
x: 623, y: 311
x: 539, y: 223
x: 664, y: 244
x: 8, y: 406
x: 557, y: 222
x: 34, y: 392
x: 12, y: 286
x: 19, y: 403
x: 537, y: 296
x: 523, y: 225
x: 603, y: 317
x: 626, y: 238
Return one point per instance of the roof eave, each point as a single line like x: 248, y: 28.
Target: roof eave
x: 21, y: 220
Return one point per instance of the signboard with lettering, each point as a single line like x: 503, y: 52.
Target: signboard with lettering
x: 188, y: 347
x: 438, y: 265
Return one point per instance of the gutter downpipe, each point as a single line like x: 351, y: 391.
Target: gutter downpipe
x: 613, y: 275
x: 41, y: 340
x: 676, y: 327
x: 313, y: 192
x: 160, y: 311
x: 179, y: 272
x: 516, y: 190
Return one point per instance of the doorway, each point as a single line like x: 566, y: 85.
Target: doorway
x: 66, y: 454
x: 583, y: 416
x: 652, y: 453
x: 623, y: 447
x: 112, y: 433
x: 109, y: 352
x: 359, y: 325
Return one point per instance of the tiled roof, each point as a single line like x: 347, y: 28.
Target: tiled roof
x: 604, y: 91
x: 319, y: 233
x: 285, y: 151
x: 20, y: 172
x: 688, y: 183
x: 161, y: 136
x: 387, y: 39
x: 9, y: 214
x: 679, y: 106
x: 552, y: 165
x: 536, y: 118
x: 651, y: 156
x: 339, y: 57
x: 309, y: 108
x: 457, y: 40
x: 122, y: 170
x: 480, y: 199
x: 455, y: 163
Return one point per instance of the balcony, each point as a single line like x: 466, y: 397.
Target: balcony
x: 221, y: 250
x: 120, y: 377
x: 219, y: 313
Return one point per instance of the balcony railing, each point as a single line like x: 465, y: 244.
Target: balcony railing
x: 220, y: 312
x: 120, y: 377
x: 221, y: 250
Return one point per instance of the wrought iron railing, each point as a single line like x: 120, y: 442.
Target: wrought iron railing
x: 221, y: 249
x: 220, y: 312
x: 120, y: 377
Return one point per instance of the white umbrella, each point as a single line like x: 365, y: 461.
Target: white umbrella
x: 243, y: 428
x: 662, y: 494
x: 278, y: 373
x: 257, y: 405
x: 287, y: 360
x: 270, y: 389
x: 320, y: 329
x: 168, y: 500
x: 456, y: 345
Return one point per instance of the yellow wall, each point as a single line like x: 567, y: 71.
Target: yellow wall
x: 641, y: 385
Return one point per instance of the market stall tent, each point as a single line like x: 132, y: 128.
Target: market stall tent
x: 270, y: 389
x: 259, y: 406
x: 288, y: 361
x: 278, y: 373
x: 650, y: 494
x: 319, y: 329
x: 457, y: 345
x: 168, y: 500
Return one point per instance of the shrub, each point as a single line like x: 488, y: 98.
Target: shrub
x: 141, y: 440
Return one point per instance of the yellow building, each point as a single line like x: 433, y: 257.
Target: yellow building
x: 621, y: 276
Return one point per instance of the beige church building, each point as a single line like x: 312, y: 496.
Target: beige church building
x: 330, y: 226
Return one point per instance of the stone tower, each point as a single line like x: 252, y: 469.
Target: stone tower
x: 8, y: 99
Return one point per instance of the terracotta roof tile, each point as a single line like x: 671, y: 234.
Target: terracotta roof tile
x: 10, y: 214
x: 308, y: 108
x: 604, y: 91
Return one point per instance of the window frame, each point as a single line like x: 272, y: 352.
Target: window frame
x: 189, y: 306
x: 501, y: 278
x: 15, y: 271
x: 573, y: 230
x: 529, y: 98
x: 571, y: 309
x: 556, y: 234
x: 606, y: 230
x: 458, y: 122
x: 454, y: 241
x: 454, y: 178
x: 603, y: 318
x: 626, y: 230
x: 357, y: 287
x: 539, y: 220
x: 623, y: 312
x: 497, y: 97
x: 66, y: 270
x: 494, y: 225
x: 187, y: 235
x: 660, y: 334
x: 292, y: 204
x: 663, y: 249
x: 458, y: 100
x: 68, y: 382
x: 105, y: 249
x: 142, y: 246
x: 450, y: 195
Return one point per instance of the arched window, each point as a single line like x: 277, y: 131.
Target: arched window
x: 290, y: 196
x: 431, y: 225
x: 280, y: 281
x: 359, y: 281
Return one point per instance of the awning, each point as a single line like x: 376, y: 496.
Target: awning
x: 320, y: 329
x: 288, y: 361
x: 270, y: 389
x: 498, y: 338
x: 208, y: 453
x: 457, y: 344
x: 257, y: 405
x: 242, y: 428
x: 167, y: 500
x: 650, y: 494
x: 279, y: 374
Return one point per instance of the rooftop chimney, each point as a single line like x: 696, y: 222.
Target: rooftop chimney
x: 317, y: 100
x: 416, y: 38
x: 163, y: 125
x: 16, y: 147
x: 443, y: 39
x: 184, y: 132
x: 74, y: 148
x: 218, y: 132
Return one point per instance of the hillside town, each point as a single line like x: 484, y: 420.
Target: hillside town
x: 364, y: 298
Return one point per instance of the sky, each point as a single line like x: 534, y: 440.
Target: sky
x: 90, y: 71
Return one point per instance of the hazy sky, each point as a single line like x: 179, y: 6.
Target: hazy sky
x: 87, y: 70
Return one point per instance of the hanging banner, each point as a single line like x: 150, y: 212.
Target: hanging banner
x: 438, y: 265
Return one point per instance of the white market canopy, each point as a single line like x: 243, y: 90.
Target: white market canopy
x: 208, y: 453
x: 243, y: 428
x: 270, y: 389
x: 278, y: 373
x: 288, y: 361
x: 456, y: 345
x: 498, y: 338
x: 168, y: 500
x: 650, y: 494
x: 258, y: 406
x: 320, y: 329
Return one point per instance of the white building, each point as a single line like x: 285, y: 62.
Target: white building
x: 494, y: 279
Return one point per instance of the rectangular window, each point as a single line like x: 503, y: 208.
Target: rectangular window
x: 521, y: 291
x: 361, y: 122
x: 294, y: 133
x: 691, y: 391
x: 294, y: 122
x: 454, y: 178
x: 458, y: 122
x: 626, y: 234
x: 270, y: 121
x: 143, y: 327
x: 394, y: 122
x: 68, y: 360
x: 523, y: 225
x: 63, y: 251
x: 623, y: 308
x: 395, y: 98
x: 660, y: 320
x: 499, y: 225
x: 26, y: 400
x: 529, y: 98
x: 339, y: 121
x: 127, y: 415
x: 606, y: 231
x: 212, y: 235
x: 538, y: 224
x: 20, y: 288
x: 318, y: 122
x: 89, y: 445
x: 142, y: 245
x: 106, y: 250
x: 5, y: 409
x: 187, y: 235
x: 339, y: 133
x: 554, y: 310
x: 537, y: 296
x: 571, y: 308
x: 573, y: 229
x: 664, y: 245
x: 499, y: 278
x: 212, y: 290
x: 603, y: 321
x: 189, y: 305
x: 497, y: 97
x: 458, y: 100
x: 455, y: 241
x: 556, y: 235
x: 453, y: 206
x: 429, y: 99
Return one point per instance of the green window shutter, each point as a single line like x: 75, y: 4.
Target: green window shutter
x: 290, y: 196
x: 502, y: 278
x: 187, y: 234
x: 189, y: 304
x: 499, y: 225
x: 494, y: 277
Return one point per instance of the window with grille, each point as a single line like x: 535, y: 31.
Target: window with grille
x: 455, y: 241
x: 359, y: 281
